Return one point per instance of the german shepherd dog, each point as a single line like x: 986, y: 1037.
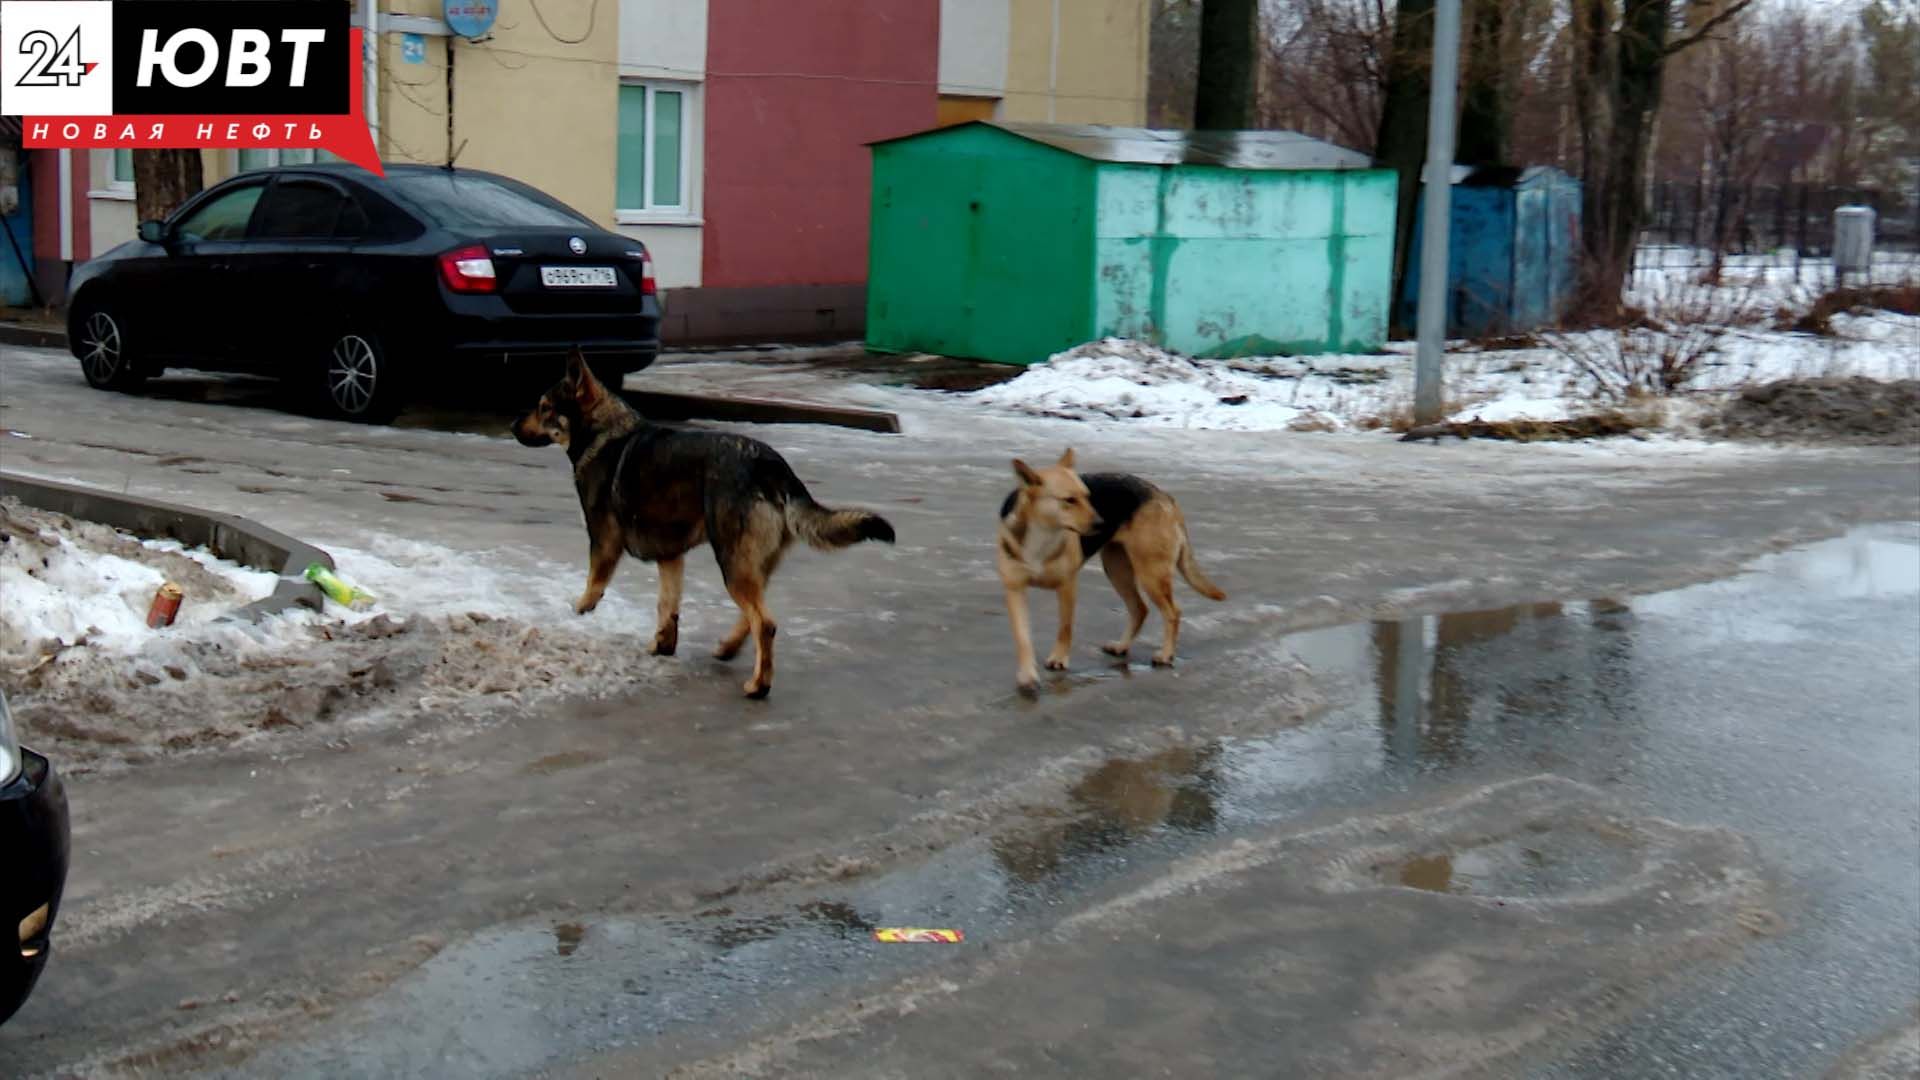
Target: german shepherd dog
x: 657, y: 493
x: 1054, y: 522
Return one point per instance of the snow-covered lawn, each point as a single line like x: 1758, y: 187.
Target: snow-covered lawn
x: 1733, y: 327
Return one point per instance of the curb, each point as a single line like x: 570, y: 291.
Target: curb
x: 668, y: 406
x: 32, y: 337
x: 246, y: 542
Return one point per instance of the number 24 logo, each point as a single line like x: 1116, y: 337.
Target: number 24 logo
x: 55, y: 63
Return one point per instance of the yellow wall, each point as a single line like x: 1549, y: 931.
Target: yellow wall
x: 961, y: 108
x: 1101, y: 73
x: 526, y: 104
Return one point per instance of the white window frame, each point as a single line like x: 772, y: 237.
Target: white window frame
x: 106, y: 185
x: 273, y: 158
x: 692, y: 126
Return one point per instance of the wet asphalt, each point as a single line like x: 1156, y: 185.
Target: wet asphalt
x: 1779, y: 704
x: 1622, y: 829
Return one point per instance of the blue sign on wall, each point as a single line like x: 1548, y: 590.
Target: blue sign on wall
x: 471, y: 18
x: 413, y: 48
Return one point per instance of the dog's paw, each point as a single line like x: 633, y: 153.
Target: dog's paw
x: 1028, y: 683
x: 584, y: 605
x: 663, y: 648
x: 1056, y: 663
x: 757, y: 690
x: 1115, y: 648
x: 1162, y: 661
x: 726, y: 650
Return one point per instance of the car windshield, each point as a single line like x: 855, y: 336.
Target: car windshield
x: 466, y: 201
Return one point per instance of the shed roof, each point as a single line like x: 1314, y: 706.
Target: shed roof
x: 1258, y: 150
x: 1507, y: 176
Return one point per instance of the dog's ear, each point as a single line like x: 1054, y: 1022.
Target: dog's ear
x: 1026, y: 474
x: 580, y: 378
x: 1066, y: 459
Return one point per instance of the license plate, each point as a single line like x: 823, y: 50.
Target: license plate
x: 577, y: 277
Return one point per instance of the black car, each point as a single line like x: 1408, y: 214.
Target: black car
x: 363, y: 288
x: 33, y: 864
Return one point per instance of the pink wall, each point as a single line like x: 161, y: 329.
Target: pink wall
x: 795, y: 89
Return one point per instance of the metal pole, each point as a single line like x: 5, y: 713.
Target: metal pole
x: 370, y: 65
x: 1438, y: 210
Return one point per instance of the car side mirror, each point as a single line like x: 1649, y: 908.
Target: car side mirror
x: 153, y: 232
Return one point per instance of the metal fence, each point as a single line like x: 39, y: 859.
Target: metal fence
x: 1756, y: 219
x: 1786, y: 226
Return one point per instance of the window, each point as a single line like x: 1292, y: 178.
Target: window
x: 224, y: 217
x: 465, y: 201
x: 653, y: 170
x: 122, y: 174
x: 300, y: 209
x: 267, y: 159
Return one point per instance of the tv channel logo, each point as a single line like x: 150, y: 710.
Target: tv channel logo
x: 174, y: 58
x: 56, y: 58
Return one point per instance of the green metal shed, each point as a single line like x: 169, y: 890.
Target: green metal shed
x: 1011, y: 242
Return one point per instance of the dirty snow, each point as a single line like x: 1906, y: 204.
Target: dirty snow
x: 455, y: 635
x: 65, y: 580
x: 1537, y: 378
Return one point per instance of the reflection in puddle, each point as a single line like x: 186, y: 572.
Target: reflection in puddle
x: 1114, y: 805
x: 1433, y: 873
x: 1546, y: 684
x: 1542, y: 862
x: 566, y: 937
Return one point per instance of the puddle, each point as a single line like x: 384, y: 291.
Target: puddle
x: 566, y: 938
x: 1548, y: 863
x: 1543, y: 686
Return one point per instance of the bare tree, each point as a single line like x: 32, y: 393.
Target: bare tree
x: 163, y: 179
x: 1621, y: 56
x: 1326, y: 68
x: 1402, y: 142
x: 1173, y: 62
x: 1229, y: 32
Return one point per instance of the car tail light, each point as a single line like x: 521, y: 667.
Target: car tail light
x: 469, y: 270
x: 647, y: 284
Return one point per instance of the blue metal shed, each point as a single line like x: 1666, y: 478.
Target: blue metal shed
x: 16, y: 254
x: 1514, y: 254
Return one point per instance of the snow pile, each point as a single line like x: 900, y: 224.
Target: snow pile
x: 67, y: 581
x: 455, y: 637
x: 1729, y: 330
x: 1131, y: 380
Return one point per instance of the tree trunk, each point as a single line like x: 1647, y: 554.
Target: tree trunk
x: 1228, y: 60
x: 163, y: 179
x: 1403, y: 123
x: 1592, y: 72
x: 1485, y: 118
x: 1635, y: 94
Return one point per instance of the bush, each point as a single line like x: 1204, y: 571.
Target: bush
x: 1902, y: 298
x: 1662, y: 349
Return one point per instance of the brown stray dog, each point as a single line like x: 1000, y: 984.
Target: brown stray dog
x: 1054, y: 522
x: 657, y: 493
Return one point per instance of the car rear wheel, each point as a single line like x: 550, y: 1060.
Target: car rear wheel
x: 101, y: 346
x: 358, y: 380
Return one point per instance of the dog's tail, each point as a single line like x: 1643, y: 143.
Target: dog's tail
x: 1190, y: 569
x: 828, y: 529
